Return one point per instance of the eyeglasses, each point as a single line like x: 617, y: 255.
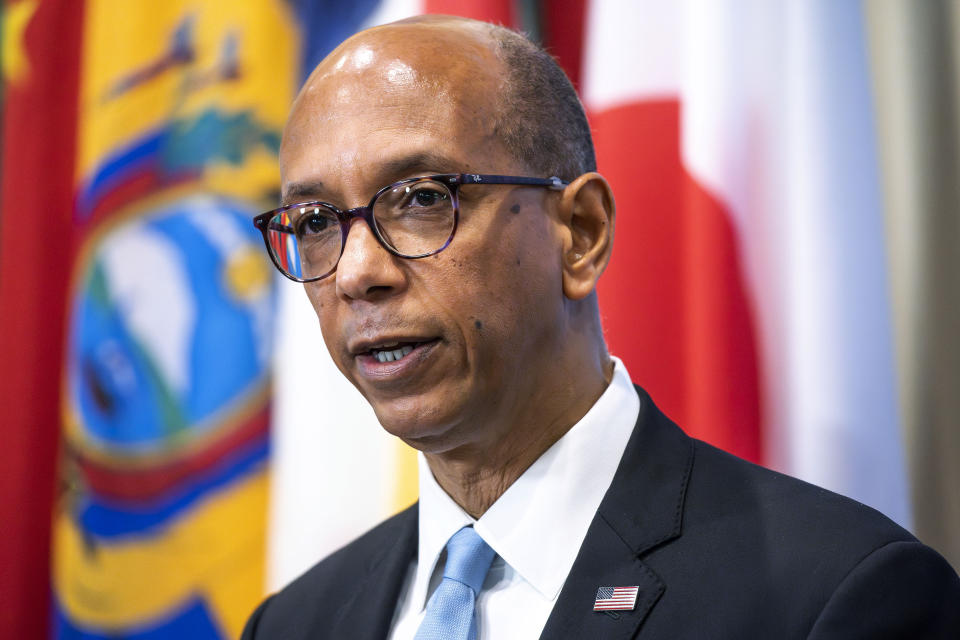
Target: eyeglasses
x: 412, y: 218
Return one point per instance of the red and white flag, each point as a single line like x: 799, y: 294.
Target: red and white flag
x: 748, y: 288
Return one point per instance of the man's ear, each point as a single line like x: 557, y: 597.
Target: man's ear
x: 587, y: 215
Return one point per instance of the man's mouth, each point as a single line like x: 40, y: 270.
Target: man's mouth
x: 391, y: 352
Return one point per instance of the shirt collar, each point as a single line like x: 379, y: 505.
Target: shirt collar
x: 538, y: 525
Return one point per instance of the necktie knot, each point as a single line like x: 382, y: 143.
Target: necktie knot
x: 468, y: 558
x: 451, y: 610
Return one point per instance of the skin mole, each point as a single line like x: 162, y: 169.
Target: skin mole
x: 478, y: 325
x: 515, y: 208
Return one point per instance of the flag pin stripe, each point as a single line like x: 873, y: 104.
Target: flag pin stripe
x: 616, y: 598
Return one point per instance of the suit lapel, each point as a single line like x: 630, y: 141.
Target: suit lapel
x: 369, y: 612
x: 604, y: 561
x: 642, y: 509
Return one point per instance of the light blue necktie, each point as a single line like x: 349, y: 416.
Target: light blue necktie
x: 450, y: 610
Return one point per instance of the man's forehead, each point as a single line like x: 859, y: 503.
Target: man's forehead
x: 387, y: 82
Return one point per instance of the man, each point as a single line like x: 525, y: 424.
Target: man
x: 451, y: 228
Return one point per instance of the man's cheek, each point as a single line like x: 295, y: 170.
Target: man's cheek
x: 321, y: 307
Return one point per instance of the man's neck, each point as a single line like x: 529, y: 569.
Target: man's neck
x: 476, y: 479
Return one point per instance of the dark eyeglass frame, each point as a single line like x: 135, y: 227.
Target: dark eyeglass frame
x: 453, y: 181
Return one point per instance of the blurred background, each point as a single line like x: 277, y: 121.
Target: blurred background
x: 175, y: 440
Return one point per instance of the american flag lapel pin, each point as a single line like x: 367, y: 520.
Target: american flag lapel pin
x: 616, y: 599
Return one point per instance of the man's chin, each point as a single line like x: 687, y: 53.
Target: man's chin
x: 420, y: 436
x: 426, y: 431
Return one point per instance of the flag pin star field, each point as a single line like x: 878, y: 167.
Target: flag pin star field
x: 616, y: 598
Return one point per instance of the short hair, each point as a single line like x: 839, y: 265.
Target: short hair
x: 541, y: 120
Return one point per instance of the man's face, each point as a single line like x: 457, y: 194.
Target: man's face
x: 483, y: 316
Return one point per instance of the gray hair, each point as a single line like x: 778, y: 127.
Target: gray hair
x: 541, y: 120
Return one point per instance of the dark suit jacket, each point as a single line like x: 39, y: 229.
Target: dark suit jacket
x: 720, y: 548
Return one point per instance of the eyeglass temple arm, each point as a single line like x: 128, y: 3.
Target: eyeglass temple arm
x: 552, y: 182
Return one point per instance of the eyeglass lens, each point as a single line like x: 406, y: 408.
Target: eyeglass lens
x: 413, y: 219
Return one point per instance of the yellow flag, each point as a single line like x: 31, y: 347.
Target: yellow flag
x: 160, y: 528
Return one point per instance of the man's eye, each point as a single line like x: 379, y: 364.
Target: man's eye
x: 311, y: 225
x: 426, y: 197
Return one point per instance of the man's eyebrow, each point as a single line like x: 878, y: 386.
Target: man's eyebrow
x: 390, y: 170
x: 404, y: 166
x: 301, y: 191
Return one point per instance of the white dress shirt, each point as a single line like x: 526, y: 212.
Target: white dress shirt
x: 536, y: 527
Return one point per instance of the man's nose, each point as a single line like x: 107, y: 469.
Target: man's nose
x: 366, y: 269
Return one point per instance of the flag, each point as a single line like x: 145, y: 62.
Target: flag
x: 615, y: 599
x: 916, y: 97
x: 41, y: 43
x: 160, y: 525
x: 748, y: 288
